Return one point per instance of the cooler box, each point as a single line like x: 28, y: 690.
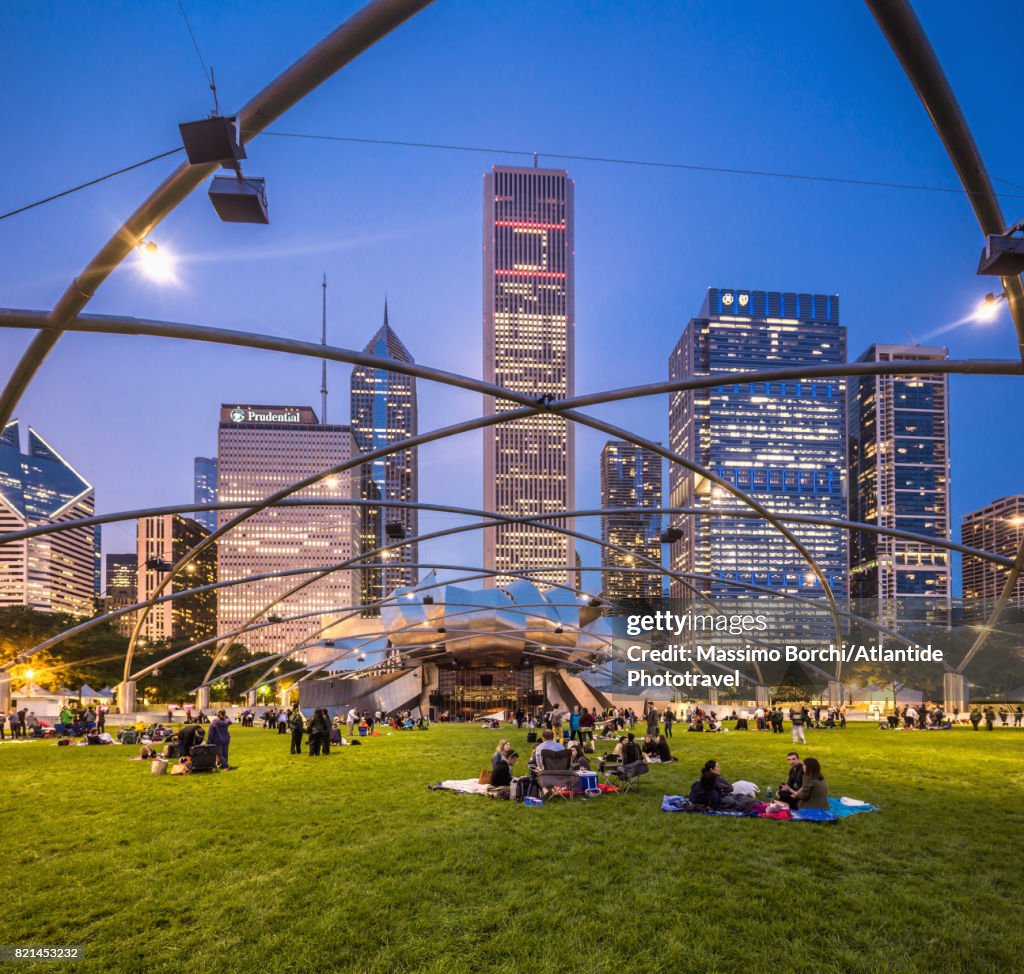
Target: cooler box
x: 588, y: 780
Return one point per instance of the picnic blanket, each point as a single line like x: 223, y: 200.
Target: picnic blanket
x: 464, y: 786
x: 838, y: 808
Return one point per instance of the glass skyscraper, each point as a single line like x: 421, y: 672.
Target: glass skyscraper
x: 899, y: 478
x: 782, y: 442
x: 529, y: 321
x: 383, y: 411
x: 630, y: 477
x: 205, y: 490
x: 53, y: 572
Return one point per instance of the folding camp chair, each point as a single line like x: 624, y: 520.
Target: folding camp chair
x: 554, y: 772
x: 625, y: 776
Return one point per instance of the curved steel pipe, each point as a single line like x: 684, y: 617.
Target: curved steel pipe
x: 121, y: 325
x: 943, y: 543
x: 910, y: 44
x: 346, y: 42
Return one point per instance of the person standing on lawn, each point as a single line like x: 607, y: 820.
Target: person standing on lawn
x: 297, y: 723
x: 796, y: 717
x: 319, y: 731
x: 574, y: 725
x: 220, y: 738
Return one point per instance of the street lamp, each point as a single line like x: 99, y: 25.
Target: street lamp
x: 988, y: 307
x: 155, y: 263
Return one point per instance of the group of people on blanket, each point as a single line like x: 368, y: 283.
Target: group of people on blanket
x: 804, y: 787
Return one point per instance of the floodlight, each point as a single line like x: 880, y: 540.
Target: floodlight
x: 240, y: 199
x: 1003, y: 256
x: 214, y: 139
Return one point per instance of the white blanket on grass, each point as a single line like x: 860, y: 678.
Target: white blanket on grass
x: 464, y: 786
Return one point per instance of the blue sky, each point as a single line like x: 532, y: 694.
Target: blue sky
x: 803, y: 87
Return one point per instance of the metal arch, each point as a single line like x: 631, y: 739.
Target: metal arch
x: 658, y: 569
x: 561, y: 409
x: 467, y: 426
x: 447, y: 532
x: 58, y: 526
x: 910, y: 44
x: 346, y: 42
x: 128, y: 326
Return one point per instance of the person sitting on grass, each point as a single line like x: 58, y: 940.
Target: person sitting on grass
x: 499, y: 755
x: 697, y: 725
x: 631, y: 752
x: 547, y: 744
x: 577, y: 759
x: 662, y: 751
x: 649, y: 746
x: 794, y: 781
x: 710, y: 788
x: 813, y: 793
x: 501, y: 772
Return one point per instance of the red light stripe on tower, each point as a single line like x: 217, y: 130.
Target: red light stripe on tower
x: 517, y: 272
x: 529, y: 226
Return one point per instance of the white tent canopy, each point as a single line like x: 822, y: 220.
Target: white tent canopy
x: 88, y: 693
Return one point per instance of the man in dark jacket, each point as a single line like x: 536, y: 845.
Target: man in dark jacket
x: 188, y: 736
x: 795, y: 780
x: 298, y: 724
x: 220, y: 737
x: 319, y: 731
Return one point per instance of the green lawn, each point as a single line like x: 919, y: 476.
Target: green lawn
x: 349, y: 863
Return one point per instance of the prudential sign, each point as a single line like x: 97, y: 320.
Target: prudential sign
x: 248, y: 414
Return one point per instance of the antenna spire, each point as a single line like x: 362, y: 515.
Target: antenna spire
x: 323, y: 341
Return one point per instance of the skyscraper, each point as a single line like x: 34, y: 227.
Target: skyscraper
x: 529, y: 320
x: 162, y: 541
x: 122, y: 588
x: 262, y: 449
x: 630, y: 477
x: 899, y: 478
x: 51, y: 572
x: 383, y: 411
x: 998, y: 528
x: 781, y: 442
x: 205, y: 490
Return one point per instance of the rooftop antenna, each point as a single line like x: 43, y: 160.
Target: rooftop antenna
x: 323, y: 342
x: 535, y: 160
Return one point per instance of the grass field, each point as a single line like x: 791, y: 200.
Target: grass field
x: 349, y: 863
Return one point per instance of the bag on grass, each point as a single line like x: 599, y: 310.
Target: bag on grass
x: 523, y: 787
x: 158, y: 766
x: 485, y: 777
